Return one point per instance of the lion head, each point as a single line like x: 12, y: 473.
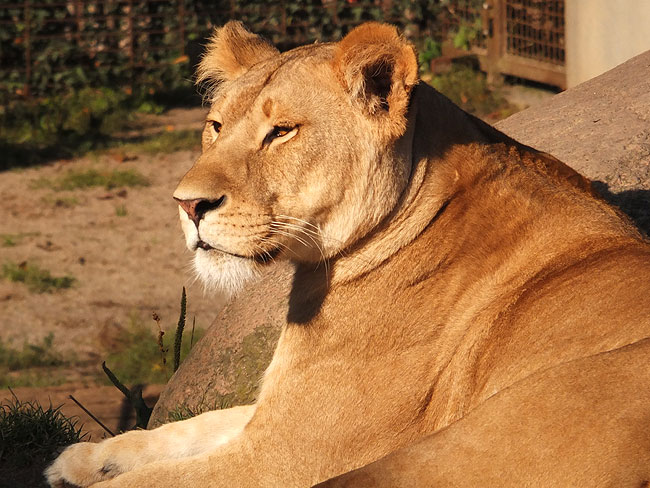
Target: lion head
x: 301, y: 152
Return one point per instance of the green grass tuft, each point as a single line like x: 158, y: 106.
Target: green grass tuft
x: 30, y: 355
x: 33, y: 378
x: 121, y: 211
x: 31, y: 437
x: 166, y: 142
x: 16, y: 364
x: 11, y: 240
x: 36, y: 279
x: 183, y: 412
x: 89, y: 178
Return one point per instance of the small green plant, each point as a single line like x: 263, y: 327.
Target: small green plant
x: 121, y: 211
x: 467, y: 33
x: 36, y: 279
x: 8, y: 240
x: 135, y: 375
x: 183, y: 412
x: 430, y: 50
x: 30, y: 355
x: 31, y: 437
x: 142, y: 358
x: 11, y: 240
x: 89, y: 178
x: 468, y: 89
x: 137, y: 361
x: 180, y: 327
x: 33, y: 378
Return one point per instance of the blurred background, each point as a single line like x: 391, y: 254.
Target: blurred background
x: 74, y: 72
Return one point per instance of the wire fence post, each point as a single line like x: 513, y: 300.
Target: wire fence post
x: 77, y: 13
x: 181, y: 24
x: 494, y: 25
x: 27, y: 12
x: 131, y: 45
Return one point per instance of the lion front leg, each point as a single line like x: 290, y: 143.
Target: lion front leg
x: 189, y: 472
x: 236, y: 463
x: 87, y: 463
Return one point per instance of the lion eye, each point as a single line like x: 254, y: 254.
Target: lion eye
x: 281, y: 131
x: 214, y: 125
x: 278, y: 131
x: 212, y: 129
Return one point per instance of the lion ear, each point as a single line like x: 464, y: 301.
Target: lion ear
x: 378, y: 68
x: 231, y: 52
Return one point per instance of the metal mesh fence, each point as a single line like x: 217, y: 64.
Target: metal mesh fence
x: 535, y: 29
x: 47, y: 46
x: 50, y: 46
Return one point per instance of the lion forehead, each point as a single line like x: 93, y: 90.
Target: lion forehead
x: 287, y: 90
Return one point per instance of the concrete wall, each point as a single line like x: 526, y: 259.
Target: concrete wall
x: 601, y: 34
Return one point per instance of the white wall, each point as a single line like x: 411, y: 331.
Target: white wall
x: 601, y: 34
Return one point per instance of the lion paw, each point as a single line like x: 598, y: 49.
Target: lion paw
x: 81, y: 465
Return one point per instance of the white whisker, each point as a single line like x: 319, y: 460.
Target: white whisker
x: 299, y: 220
x: 313, y: 236
x: 288, y: 234
x: 277, y: 244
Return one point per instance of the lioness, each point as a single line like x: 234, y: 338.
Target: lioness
x: 461, y: 303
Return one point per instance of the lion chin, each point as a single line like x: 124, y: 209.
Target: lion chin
x: 223, y: 273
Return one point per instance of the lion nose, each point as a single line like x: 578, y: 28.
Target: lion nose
x: 196, y: 209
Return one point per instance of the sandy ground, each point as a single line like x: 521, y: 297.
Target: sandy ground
x: 124, y: 266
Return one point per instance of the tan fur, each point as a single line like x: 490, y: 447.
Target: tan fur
x: 233, y: 50
x: 460, y: 300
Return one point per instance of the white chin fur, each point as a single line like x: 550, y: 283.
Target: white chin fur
x: 224, y: 273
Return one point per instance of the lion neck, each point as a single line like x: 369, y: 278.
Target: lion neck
x: 435, y: 127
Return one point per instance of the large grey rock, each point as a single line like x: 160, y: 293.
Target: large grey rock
x: 600, y: 128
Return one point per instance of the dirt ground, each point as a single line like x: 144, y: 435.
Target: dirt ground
x: 123, y: 247
x: 124, y: 265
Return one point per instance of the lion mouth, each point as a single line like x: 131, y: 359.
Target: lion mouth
x: 261, y: 258
x: 204, y: 245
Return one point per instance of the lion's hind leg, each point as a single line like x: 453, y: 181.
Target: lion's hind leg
x: 582, y: 423
x: 86, y: 463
